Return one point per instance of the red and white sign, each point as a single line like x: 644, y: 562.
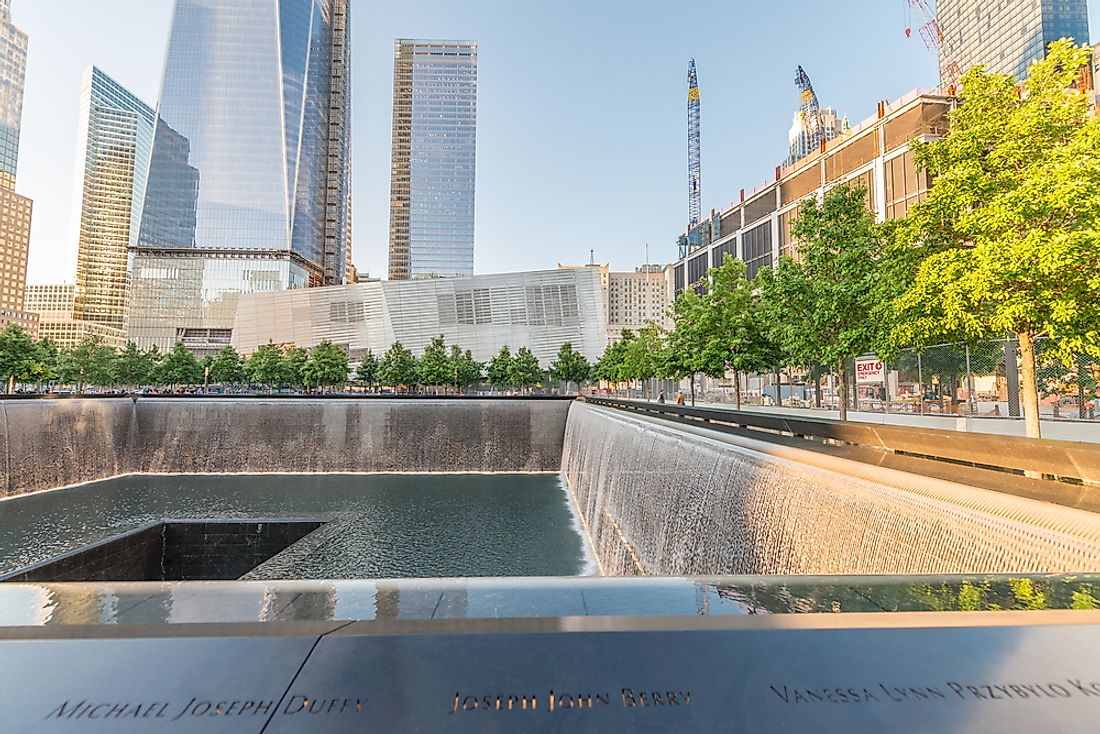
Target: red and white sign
x: 870, y: 370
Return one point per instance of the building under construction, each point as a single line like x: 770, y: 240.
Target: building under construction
x: 876, y: 153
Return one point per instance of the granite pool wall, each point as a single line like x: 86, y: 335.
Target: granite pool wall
x: 663, y: 499
x: 54, y: 443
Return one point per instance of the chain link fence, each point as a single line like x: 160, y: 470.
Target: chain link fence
x: 975, y: 380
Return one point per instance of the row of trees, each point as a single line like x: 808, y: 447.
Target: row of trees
x: 91, y: 362
x: 1007, y: 243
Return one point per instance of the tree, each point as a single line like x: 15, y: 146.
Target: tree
x: 398, y: 367
x: 464, y: 369
x: 367, y: 372
x: 46, y: 366
x: 612, y: 364
x: 500, y: 368
x: 90, y: 361
x: 1012, y: 224
x: 17, y: 353
x: 180, y: 367
x: 823, y: 308
x: 327, y: 365
x: 292, y: 367
x: 736, y: 325
x: 433, y: 367
x: 570, y: 366
x: 525, y: 373
x: 227, y: 368
x: 687, y: 350
x: 264, y: 366
x: 134, y: 367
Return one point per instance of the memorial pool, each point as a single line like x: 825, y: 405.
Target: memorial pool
x: 382, y: 525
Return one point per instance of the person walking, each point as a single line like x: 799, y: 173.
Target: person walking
x: 680, y: 398
x: 661, y: 397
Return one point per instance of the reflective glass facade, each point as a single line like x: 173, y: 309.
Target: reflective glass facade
x: 433, y: 159
x: 15, y: 210
x: 1007, y: 37
x: 116, y: 135
x: 13, y: 69
x: 250, y: 160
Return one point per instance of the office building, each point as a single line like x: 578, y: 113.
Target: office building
x: 875, y: 154
x: 1005, y: 37
x: 632, y: 299
x: 249, y: 175
x: 115, y: 138
x: 53, y: 305
x: 800, y: 139
x: 433, y: 159
x: 15, y: 210
x: 540, y: 310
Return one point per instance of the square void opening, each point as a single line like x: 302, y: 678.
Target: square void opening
x: 173, y: 550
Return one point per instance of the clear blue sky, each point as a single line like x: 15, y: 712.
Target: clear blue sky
x: 581, y: 117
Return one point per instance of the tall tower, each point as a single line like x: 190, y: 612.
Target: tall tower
x: 433, y: 159
x: 250, y: 170
x: 695, y: 197
x: 116, y: 136
x: 15, y: 210
x: 1005, y: 37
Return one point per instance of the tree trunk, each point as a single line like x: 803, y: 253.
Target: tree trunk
x: 778, y: 389
x: 843, y: 391
x: 737, y: 389
x: 693, y: 390
x: 1081, y: 412
x: 817, y: 388
x: 1029, y: 389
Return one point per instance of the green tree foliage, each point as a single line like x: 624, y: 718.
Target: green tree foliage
x: 17, y: 351
x: 264, y: 366
x: 612, y: 364
x: 398, y: 367
x: 327, y: 365
x: 735, y: 325
x: 180, y: 367
x: 46, y: 366
x: 824, y: 307
x: 433, y: 367
x: 89, y: 362
x: 134, y: 367
x: 570, y: 366
x: 500, y: 368
x: 292, y: 367
x: 227, y: 368
x: 526, y: 372
x: 644, y: 357
x: 464, y: 369
x: 1012, y: 224
x: 367, y: 372
x: 687, y: 350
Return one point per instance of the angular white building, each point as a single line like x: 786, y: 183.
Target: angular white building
x: 540, y: 310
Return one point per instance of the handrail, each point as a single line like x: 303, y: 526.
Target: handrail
x: 1048, y: 457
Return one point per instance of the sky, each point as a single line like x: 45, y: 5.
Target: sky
x: 582, y: 117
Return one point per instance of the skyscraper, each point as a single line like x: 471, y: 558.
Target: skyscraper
x: 1006, y: 37
x: 116, y: 135
x: 15, y: 210
x: 800, y: 139
x: 249, y: 173
x: 433, y: 159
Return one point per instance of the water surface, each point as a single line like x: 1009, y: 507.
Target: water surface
x: 395, y: 525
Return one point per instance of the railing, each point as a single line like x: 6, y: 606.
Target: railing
x: 1067, y: 460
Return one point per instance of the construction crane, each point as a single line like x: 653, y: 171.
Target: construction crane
x: 936, y: 42
x: 809, y: 110
x: 695, y: 199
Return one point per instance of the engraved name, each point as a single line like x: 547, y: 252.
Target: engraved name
x: 558, y: 701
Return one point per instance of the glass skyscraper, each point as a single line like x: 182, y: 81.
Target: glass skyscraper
x: 115, y: 139
x: 433, y: 159
x: 1006, y: 37
x: 15, y: 210
x: 249, y: 174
